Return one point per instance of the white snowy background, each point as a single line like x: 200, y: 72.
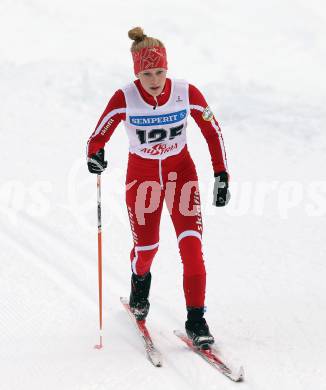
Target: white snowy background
x: 261, y: 65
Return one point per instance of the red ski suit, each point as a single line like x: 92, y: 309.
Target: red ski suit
x: 149, y: 181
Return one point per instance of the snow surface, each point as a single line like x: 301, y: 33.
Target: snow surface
x: 261, y: 66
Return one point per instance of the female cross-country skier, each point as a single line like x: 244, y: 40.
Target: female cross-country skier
x: 155, y: 110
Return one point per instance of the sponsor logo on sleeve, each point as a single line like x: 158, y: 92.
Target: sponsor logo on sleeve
x: 107, y: 126
x: 207, y: 114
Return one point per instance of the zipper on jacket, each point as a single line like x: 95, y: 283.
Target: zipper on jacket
x: 156, y: 102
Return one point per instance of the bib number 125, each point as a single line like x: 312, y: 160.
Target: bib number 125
x: 158, y: 135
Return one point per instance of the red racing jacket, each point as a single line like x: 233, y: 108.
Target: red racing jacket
x: 115, y: 112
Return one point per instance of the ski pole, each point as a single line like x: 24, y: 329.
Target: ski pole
x: 99, y: 251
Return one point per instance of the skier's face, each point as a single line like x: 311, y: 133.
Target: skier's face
x: 153, y: 80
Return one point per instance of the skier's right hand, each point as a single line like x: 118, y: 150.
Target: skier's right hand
x: 96, y: 163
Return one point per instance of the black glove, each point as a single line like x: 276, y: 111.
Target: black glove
x: 96, y: 163
x: 221, y: 189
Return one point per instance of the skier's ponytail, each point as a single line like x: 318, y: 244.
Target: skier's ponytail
x: 141, y: 40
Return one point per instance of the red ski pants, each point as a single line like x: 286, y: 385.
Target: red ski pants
x: 173, y: 179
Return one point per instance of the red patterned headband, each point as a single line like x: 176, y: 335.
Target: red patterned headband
x: 149, y: 58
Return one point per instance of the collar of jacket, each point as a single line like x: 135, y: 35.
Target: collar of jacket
x: 162, y: 98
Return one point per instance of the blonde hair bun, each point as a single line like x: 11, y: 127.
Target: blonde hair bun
x: 137, y: 34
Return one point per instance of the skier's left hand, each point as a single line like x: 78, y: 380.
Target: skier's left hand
x: 221, y: 189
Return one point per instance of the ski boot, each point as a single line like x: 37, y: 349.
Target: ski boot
x: 138, y: 301
x: 197, y: 329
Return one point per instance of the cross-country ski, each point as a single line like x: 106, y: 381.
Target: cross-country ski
x: 211, y: 356
x: 154, y: 356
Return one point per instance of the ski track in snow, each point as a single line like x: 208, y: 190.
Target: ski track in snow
x: 265, y: 271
